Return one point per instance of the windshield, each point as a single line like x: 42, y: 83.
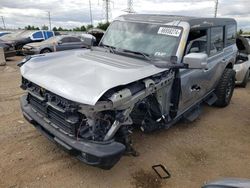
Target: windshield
x: 13, y: 35
x: 153, y: 40
x: 26, y: 34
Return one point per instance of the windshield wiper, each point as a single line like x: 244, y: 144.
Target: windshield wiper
x: 111, y: 48
x: 145, y: 55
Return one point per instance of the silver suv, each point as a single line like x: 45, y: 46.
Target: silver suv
x: 148, y: 72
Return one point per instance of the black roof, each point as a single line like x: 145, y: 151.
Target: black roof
x: 193, y: 21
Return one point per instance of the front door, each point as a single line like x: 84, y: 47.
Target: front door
x: 193, y: 81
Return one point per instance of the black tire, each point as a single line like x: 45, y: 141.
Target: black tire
x: 246, y: 78
x: 44, y: 51
x: 225, y: 88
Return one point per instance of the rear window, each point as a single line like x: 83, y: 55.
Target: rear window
x: 230, y: 34
x: 65, y: 40
x: 48, y: 34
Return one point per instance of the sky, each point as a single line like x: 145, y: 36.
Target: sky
x: 74, y: 13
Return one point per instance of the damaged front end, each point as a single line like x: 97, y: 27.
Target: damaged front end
x: 99, y: 135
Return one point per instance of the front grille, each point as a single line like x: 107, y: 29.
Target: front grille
x: 67, y: 122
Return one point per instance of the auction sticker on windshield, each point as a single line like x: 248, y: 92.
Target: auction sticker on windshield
x: 169, y: 31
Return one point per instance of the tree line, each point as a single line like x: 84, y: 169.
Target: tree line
x: 100, y: 25
x: 240, y: 32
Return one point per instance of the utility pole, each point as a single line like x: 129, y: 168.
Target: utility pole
x: 107, y: 10
x: 90, y: 13
x: 49, y: 20
x: 216, y: 8
x: 3, y: 23
x: 129, y: 7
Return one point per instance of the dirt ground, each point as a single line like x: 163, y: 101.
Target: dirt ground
x: 216, y: 145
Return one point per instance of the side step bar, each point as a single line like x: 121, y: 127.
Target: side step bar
x: 193, y: 114
x: 211, y: 99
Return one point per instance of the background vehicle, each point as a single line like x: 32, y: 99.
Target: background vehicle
x: 229, y: 183
x: 2, y: 33
x: 242, y: 65
x: 60, y: 43
x: 97, y: 33
x: 9, y: 50
x: 247, y: 36
x: 18, y: 40
x: 142, y: 75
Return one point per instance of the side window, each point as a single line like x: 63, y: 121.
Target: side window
x: 74, y: 39
x: 230, y: 35
x: 217, y: 43
x: 48, y: 34
x: 38, y: 35
x: 65, y: 40
x: 197, y: 42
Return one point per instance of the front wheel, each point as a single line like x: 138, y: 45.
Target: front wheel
x: 46, y: 50
x: 225, y: 88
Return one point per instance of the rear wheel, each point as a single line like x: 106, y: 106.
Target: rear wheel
x: 246, y: 78
x: 46, y: 50
x: 225, y: 88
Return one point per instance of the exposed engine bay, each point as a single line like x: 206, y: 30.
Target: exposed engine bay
x: 117, y: 112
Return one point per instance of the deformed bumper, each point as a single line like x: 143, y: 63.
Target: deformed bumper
x: 10, y: 53
x: 102, y: 155
x: 241, y: 70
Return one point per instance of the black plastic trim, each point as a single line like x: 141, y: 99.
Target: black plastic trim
x: 104, y: 155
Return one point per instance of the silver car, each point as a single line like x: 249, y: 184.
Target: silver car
x: 146, y: 73
x: 57, y: 43
x: 242, y: 65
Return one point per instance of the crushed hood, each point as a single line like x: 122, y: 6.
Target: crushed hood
x: 84, y: 76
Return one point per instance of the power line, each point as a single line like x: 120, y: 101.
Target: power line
x: 3, y: 22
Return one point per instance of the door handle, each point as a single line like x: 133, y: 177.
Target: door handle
x: 206, y: 70
x: 195, y: 88
x: 224, y: 61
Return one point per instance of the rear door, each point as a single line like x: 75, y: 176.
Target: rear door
x: 217, y: 57
x: 221, y: 52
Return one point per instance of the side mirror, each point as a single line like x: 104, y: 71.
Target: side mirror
x: 196, y: 60
x: 88, y: 40
x: 194, y: 50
